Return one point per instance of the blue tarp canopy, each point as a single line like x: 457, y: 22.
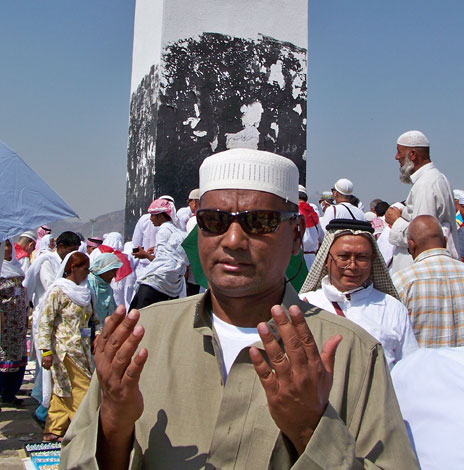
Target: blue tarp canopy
x: 26, y: 200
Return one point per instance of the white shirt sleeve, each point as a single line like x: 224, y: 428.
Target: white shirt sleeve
x: 47, y: 275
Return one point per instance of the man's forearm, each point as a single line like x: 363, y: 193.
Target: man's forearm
x: 114, y: 444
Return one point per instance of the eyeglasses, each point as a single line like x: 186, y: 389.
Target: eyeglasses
x: 252, y: 222
x: 344, y: 261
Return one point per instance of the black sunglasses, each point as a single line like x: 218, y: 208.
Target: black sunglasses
x: 252, y: 222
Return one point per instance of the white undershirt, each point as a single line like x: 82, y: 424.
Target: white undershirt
x: 233, y: 339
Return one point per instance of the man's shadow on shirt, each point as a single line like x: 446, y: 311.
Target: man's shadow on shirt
x: 184, y: 457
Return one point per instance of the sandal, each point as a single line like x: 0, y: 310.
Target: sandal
x: 50, y: 437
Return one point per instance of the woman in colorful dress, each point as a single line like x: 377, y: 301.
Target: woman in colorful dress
x: 65, y: 341
x: 13, y: 348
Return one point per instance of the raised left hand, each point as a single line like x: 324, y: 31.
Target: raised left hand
x: 298, y: 384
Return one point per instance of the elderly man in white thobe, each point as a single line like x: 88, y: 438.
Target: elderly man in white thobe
x: 349, y: 278
x: 430, y: 194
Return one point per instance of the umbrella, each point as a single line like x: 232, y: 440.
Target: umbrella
x: 296, y: 270
x: 26, y: 200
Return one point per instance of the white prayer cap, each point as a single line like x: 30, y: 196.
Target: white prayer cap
x: 398, y: 205
x: 250, y: 169
x: 301, y: 189
x: 194, y: 194
x: 457, y: 193
x: 344, y: 186
x: 29, y: 234
x: 413, y: 139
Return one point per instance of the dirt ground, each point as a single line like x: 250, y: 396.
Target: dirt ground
x: 17, y: 426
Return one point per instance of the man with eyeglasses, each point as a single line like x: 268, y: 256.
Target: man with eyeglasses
x: 239, y: 377
x: 349, y: 278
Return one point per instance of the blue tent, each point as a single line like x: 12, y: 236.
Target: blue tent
x: 26, y: 200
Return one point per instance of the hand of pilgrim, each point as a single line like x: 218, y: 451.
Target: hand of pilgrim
x: 47, y: 362
x: 392, y: 214
x: 298, y: 385
x: 119, y: 372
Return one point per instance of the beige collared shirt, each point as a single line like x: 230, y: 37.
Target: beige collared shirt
x: 191, y: 420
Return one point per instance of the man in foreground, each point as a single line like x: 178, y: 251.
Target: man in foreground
x: 432, y: 288
x: 350, y: 279
x: 430, y: 195
x: 199, y: 403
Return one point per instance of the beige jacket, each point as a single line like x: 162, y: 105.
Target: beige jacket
x: 192, y: 421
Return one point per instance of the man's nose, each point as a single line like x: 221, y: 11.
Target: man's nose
x: 235, y: 238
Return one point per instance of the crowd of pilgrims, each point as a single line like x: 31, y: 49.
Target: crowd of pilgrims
x: 62, y: 287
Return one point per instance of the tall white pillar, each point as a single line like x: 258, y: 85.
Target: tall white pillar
x: 208, y: 75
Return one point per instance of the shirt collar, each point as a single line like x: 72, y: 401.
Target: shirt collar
x: 423, y: 169
x: 203, y: 324
x: 432, y: 252
x: 335, y: 295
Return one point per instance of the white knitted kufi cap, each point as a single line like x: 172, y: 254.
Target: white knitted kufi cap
x: 194, y: 194
x: 30, y: 234
x: 250, y: 169
x: 302, y: 189
x: 344, y: 186
x: 457, y: 193
x: 413, y: 139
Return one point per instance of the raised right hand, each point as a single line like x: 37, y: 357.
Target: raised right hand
x: 118, y: 372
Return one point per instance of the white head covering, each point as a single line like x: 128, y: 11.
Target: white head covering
x: 302, y: 189
x: 104, y: 263
x: 398, y: 205
x: 168, y: 198
x: 114, y: 240
x: 173, y: 213
x: 194, y: 194
x: 379, y: 273
x: 250, y: 169
x: 10, y: 268
x: 79, y: 294
x: 461, y: 199
x: 44, y: 244
x: 344, y: 186
x: 29, y: 234
x: 457, y: 193
x: 413, y: 139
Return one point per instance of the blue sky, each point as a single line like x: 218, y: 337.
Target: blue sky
x: 376, y: 69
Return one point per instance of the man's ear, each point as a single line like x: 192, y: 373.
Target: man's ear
x: 411, y: 247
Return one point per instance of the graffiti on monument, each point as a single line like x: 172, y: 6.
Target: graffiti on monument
x: 213, y: 92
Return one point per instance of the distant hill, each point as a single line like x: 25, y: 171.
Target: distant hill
x: 111, y: 222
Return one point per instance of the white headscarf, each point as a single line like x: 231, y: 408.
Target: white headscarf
x: 79, y: 294
x: 10, y: 268
x: 30, y: 282
x: 114, y: 240
x: 44, y: 245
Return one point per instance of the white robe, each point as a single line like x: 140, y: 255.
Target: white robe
x: 381, y: 315
x: 430, y: 194
x: 340, y: 211
x: 429, y: 385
